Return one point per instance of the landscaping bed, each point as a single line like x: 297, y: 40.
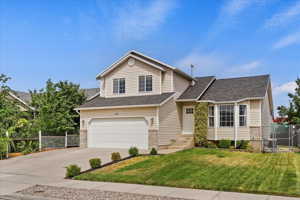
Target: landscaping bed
x: 213, y: 169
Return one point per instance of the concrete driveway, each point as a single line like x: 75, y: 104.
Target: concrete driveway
x: 47, y: 167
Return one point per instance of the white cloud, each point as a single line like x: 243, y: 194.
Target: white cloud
x: 245, y: 68
x: 207, y: 64
x: 216, y: 64
x: 288, y: 87
x: 136, y: 20
x: 234, y: 7
x: 284, y: 17
x: 288, y: 40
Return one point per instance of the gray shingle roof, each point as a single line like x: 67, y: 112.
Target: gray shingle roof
x: 193, y: 92
x: 25, y: 96
x: 127, y: 101
x: 90, y: 92
x: 233, y: 89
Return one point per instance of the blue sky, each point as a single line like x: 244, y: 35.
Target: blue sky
x: 76, y: 39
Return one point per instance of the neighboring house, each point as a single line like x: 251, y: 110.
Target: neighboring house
x: 147, y: 103
x: 24, y: 98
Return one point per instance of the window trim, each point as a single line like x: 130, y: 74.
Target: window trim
x: 211, y: 116
x: 189, y: 108
x: 234, y: 112
x: 245, y: 115
x: 145, y: 83
x: 118, y: 85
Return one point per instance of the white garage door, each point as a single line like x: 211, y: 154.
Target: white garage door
x: 118, y: 133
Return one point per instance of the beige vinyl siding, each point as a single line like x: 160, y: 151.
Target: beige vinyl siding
x: 211, y: 134
x: 131, y: 74
x: 266, y: 117
x: 169, y: 125
x: 167, y: 84
x: 225, y: 133
x: 180, y: 84
x: 255, y: 113
x: 149, y: 113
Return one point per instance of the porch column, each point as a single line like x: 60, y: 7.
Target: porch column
x: 216, y: 121
x: 236, y: 122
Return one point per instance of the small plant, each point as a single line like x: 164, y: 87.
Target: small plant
x: 224, y: 144
x: 95, y: 163
x: 115, y: 156
x: 153, y: 151
x: 211, y: 145
x: 133, y: 151
x: 244, y: 144
x: 72, y: 170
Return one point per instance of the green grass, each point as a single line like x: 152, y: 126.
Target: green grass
x: 210, y: 169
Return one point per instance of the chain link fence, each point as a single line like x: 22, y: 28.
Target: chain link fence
x: 281, y: 138
x: 56, y: 142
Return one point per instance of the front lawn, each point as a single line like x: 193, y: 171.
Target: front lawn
x: 209, y: 169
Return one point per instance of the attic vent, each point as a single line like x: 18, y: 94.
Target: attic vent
x: 131, y: 61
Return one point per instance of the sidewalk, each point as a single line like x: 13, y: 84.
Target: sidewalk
x: 167, y: 191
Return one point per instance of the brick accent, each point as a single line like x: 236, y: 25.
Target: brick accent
x: 257, y: 145
x: 83, y: 138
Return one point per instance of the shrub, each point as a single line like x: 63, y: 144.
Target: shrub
x: 153, y: 151
x: 72, y: 170
x: 133, y: 151
x: 244, y: 144
x: 211, y: 144
x: 115, y: 156
x: 95, y: 163
x: 224, y: 144
x: 238, y: 144
x: 250, y: 148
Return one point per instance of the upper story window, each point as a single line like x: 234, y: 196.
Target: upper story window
x: 211, y: 116
x: 145, y: 83
x: 119, y: 86
x: 243, y: 115
x: 226, y: 115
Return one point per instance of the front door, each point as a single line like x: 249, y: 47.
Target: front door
x: 188, y: 120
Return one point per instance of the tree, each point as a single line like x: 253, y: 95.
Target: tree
x: 55, y: 105
x: 9, y: 110
x: 292, y: 112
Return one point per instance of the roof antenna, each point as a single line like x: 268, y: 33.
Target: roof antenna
x: 192, y: 70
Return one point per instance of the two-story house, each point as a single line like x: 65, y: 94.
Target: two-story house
x: 146, y: 103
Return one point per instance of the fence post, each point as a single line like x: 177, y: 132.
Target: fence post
x: 66, y: 140
x: 7, y: 145
x: 40, y: 140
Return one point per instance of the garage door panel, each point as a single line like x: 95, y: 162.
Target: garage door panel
x: 118, y: 133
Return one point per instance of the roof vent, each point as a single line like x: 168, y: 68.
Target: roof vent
x: 192, y: 70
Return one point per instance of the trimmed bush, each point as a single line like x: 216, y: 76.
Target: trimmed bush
x: 153, y: 151
x: 224, y: 144
x: 244, y: 144
x: 95, y: 163
x: 211, y: 144
x: 133, y: 151
x: 72, y: 170
x: 115, y: 156
x: 200, y: 121
x: 238, y: 144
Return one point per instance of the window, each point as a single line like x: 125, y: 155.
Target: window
x: 145, y: 83
x: 189, y: 110
x: 226, y: 115
x: 119, y: 86
x: 211, y: 116
x: 243, y: 115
